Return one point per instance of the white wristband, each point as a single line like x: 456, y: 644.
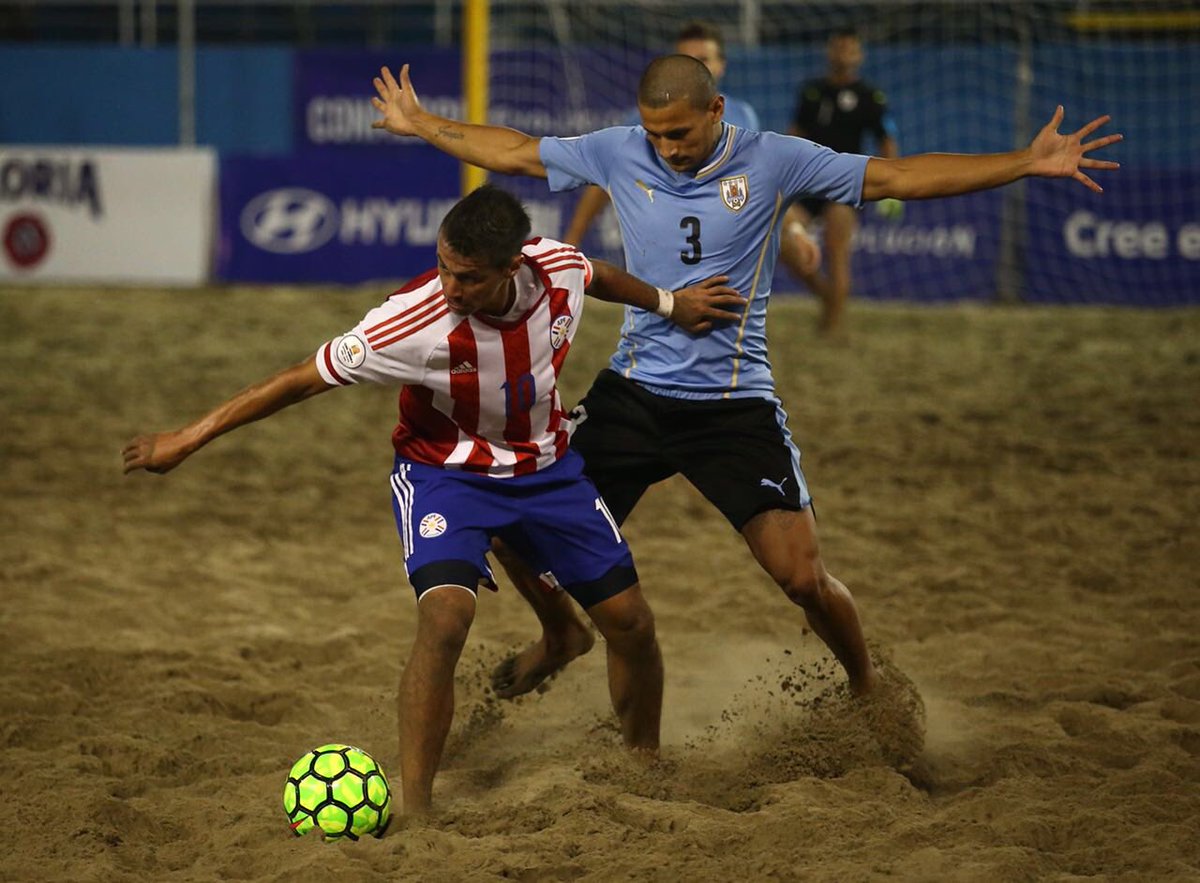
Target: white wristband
x: 666, y: 303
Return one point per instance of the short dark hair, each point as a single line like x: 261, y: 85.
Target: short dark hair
x: 846, y: 33
x: 671, y: 78
x: 702, y: 30
x: 488, y: 224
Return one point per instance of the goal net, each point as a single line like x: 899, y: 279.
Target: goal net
x: 959, y: 76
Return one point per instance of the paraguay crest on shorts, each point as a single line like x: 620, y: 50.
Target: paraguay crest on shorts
x: 432, y: 525
x: 735, y: 192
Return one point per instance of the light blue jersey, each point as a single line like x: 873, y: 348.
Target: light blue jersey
x: 680, y: 228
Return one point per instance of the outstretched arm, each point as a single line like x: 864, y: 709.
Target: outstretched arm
x: 693, y: 309
x: 163, y: 451
x: 494, y: 148
x: 1051, y: 155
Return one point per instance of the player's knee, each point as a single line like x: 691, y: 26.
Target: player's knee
x: 803, y: 587
x: 800, y: 251
x: 445, y: 618
x: 634, y: 627
x: 629, y: 627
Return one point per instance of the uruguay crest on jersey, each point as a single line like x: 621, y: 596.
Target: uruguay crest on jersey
x: 735, y: 192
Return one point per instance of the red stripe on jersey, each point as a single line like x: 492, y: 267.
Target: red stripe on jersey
x: 464, y: 390
x: 406, y: 320
x: 327, y: 353
x: 559, y: 266
x: 559, y: 259
x: 556, y: 427
x: 521, y: 395
x: 560, y: 305
x: 424, y: 302
x: 412, y: 329
x: 415, y: 283
x: 561, y: 442
x: 553, y: 251
x: 424, y: 433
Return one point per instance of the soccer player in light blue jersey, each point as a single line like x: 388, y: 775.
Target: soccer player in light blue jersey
x: 696, y: 196
x: 705, y: 43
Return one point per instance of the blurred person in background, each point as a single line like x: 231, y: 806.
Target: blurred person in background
x: 705, y: 43
x: 836, y: 111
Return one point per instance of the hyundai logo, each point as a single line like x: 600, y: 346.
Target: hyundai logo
x: 290, y: 220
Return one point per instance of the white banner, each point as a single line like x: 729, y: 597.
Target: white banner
x: 140, y: 215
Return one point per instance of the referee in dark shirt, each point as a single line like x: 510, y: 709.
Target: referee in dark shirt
x: 837, y: 110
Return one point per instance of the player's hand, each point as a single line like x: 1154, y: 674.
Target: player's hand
x: 698, y: 306
x: 158, y: 453
x: 1064, y: 156
x: 396, y: 101
x: 890, y: 208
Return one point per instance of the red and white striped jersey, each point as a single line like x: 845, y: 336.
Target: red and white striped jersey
x: 480, y: 393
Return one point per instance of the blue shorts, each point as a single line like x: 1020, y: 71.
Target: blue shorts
x: 553, y: 518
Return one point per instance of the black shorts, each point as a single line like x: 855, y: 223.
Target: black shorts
x: 814, y: 207
x: 737, y: 452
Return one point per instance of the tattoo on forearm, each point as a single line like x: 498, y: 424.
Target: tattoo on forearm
x: 447, y: 132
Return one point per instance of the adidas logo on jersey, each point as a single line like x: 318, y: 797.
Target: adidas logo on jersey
x: 464, y: 368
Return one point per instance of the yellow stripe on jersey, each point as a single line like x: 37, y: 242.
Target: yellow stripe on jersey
x: 626, y: 330
x: 762, y: 254
x: 720, y: 160
x: 628, y: 323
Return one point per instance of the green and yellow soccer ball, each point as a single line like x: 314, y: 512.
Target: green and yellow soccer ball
x: 339, y: 789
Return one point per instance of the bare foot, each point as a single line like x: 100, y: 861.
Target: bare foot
x: 865, y: 683
x: 523, y: 672
x: 833, y: 330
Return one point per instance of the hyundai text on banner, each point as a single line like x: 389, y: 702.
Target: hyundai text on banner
x: 340, y: 216
x: 107, y: 215
x: 333, y: 217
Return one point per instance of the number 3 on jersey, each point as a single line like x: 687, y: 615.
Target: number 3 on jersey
x: 691, y: 224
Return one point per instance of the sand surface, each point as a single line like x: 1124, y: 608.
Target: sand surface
x: 1012, y: 495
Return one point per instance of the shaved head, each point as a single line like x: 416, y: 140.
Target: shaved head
x: 672, y: 78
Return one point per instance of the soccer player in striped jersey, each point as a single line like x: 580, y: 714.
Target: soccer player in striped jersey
x: 481, y: 450
x: 694, y: 196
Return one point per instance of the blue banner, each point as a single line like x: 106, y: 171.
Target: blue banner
x: 938, y: 250
x: 540, y: 92
x: 333, y: 92
x: 342, y: 216
x: 1137, y: 244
